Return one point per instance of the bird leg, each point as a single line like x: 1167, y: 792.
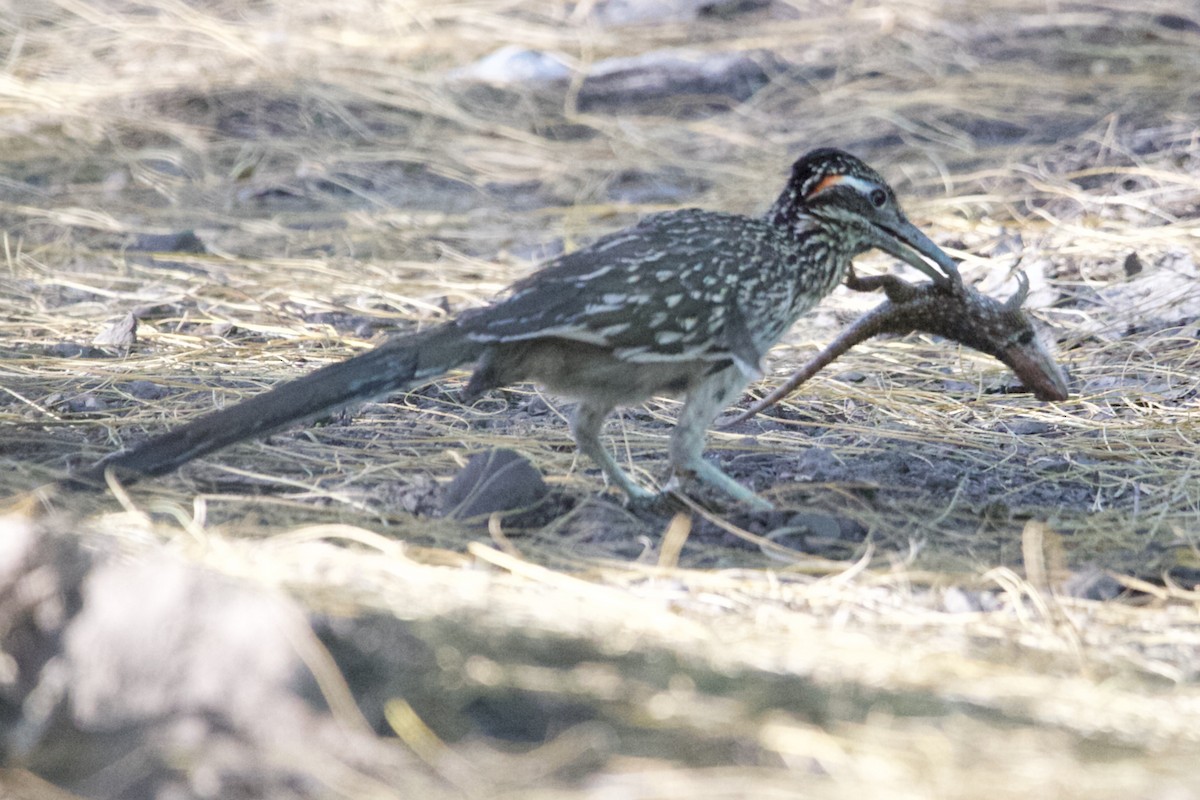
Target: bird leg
x: 687, y: 440
x: 586, y: 423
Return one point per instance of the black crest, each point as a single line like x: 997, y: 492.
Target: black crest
x: 809, y: 171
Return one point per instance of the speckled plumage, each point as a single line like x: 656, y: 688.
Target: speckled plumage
x: 683, y: 303
x: 677, y: 286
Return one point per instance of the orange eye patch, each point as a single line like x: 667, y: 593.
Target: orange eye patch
x: 823, y: 184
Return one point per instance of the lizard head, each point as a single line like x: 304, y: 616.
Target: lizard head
x: 1003, y: 330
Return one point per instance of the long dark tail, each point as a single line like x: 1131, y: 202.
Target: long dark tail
x: 393, y: 366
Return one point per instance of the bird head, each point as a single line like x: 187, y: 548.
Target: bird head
x: 855, y: 203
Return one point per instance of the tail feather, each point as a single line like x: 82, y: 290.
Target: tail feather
x: 393, y: 366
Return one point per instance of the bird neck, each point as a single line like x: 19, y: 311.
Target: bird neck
x: 802, y: 221
x: 787, y: 209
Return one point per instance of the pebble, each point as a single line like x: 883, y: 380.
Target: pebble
x: 642, y: 83
x: 516, y: 65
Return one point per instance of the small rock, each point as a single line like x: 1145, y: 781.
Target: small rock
x: 536, y: 406
x: 1133, y: 264
x: 652, y: 81
x: 175, y: 242
x: 661, y: 81
x: 222, y: 328
x: 643, y: 12
x: 516, y: 65
x: 1029, y: 427
x: 1175, y: 22
x: 498, y: 480
x: 118, y: 333
x: 819, y: 464
x: 85, y: 403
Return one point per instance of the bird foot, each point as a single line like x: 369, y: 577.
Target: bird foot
x: 714, y: 477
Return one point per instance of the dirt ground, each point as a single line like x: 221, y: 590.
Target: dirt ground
x: 963, y: 592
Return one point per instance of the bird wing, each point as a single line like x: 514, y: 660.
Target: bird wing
x: 673, y: 287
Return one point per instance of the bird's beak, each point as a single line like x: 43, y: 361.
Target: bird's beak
x: 1036, y: 369
x: 905, y: 241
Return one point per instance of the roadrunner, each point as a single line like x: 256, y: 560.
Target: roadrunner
x: 684, y: 303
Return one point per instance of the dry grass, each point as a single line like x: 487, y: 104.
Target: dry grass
x: 342, y: 186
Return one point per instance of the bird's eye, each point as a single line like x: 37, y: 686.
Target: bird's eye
x: 878, y: 198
